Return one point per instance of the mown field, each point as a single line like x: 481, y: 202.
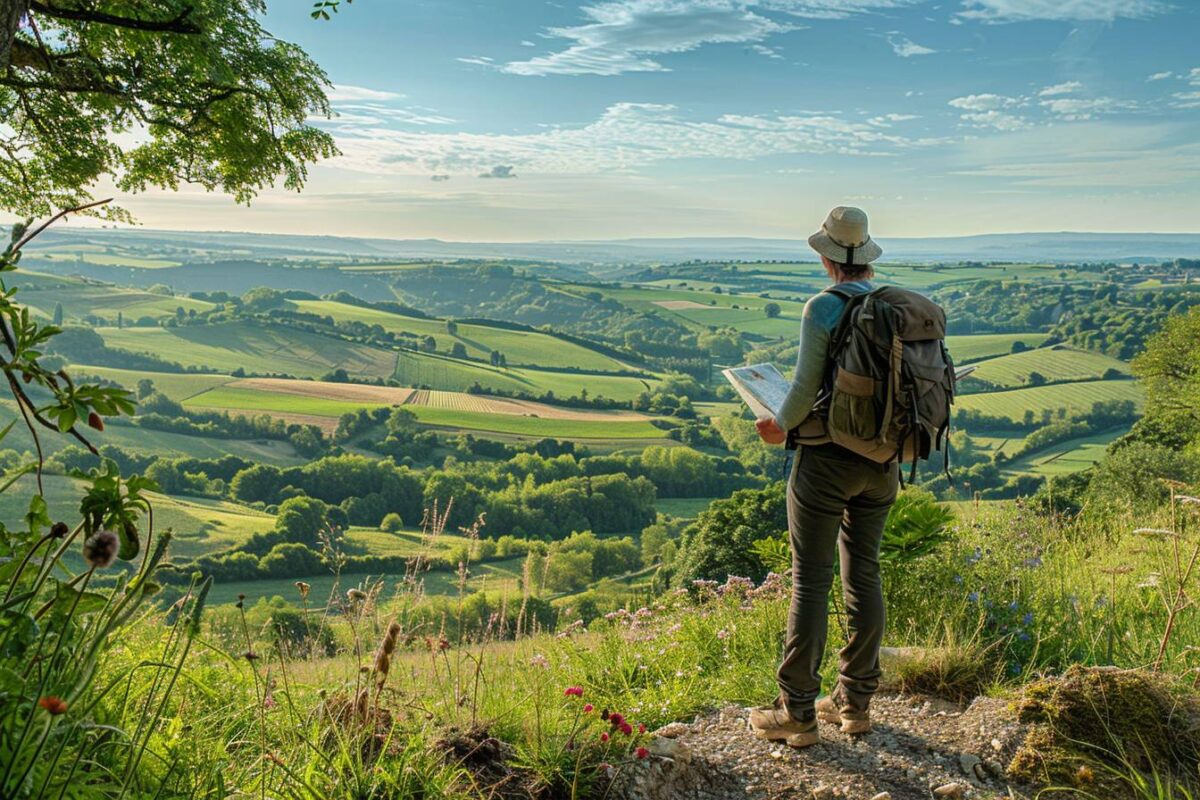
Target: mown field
x: 1066, y: 457
x: 970, y: 348
x: 518, y: 347
x: 423, y: 369
x: 82, y: 300
x: 1053, y: 364
x: 1076, y: 397
x: 254, y: 347
x: 175, y: 385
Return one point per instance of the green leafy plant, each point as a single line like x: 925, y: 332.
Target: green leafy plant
x: 916, y: 526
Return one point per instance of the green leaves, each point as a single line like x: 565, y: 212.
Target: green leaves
x: 322, y: 8
x: 916, y: 526
x: 115, y: 504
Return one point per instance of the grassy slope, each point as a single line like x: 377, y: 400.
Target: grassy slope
x: 254, y: 347
x: 253, y: 400
x: 106, y: 301
x: 519, y: 347
x: 417, y: 369
x: 1055, y: 364
x: 177, y: 386
x: 1077, y: 397
x: 1069, y: 456
x: 971, y: 348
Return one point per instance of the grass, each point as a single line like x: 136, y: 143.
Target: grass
x: 967, y: 349
x: 683, y: 507
x: 1054, y: 364
x: 1066, y: 457
x: 455, y: 375
x: 259, y: 401
x: 177, y: 386
x: 1076, y: 397
x: 254, y: 347
x: 107, y: 302
x: 519, y: 347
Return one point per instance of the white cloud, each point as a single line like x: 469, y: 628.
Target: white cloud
x: 831, y: 9
x: 1061, y: 10
x: 884, y: 120
x: 983, y: 102
x: 1067, y: 87
x: 344, y: 93
x: 763, y: 50
x: 999, y: 120
x: 1080, y: 108
x: 627, y: 136
x: 622, y: 35
x: 500, y: 171
x: 1160, y: 76
x: 905, y: 47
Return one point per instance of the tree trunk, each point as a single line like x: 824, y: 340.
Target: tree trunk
x: 11, y: 13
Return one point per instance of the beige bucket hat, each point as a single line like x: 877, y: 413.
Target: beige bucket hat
x: 844, y: 237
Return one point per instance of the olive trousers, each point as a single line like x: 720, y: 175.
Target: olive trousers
x: 837, y: 505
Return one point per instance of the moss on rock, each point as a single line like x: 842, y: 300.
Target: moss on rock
x: 1091, y: 725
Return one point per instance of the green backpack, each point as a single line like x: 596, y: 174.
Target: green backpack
x: 891, y: 382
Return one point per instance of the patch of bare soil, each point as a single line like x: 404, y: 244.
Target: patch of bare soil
x: 354, y: 392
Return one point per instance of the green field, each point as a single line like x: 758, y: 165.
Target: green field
x: 1066, y: 457
x: 177, y: 386
x: 254, y: 400
x: 1054, y: 364
x: 967, y: 349
x: 518, y: 347
x: 256, y: 348
x: 455, y: 375
x: 1076, y: 397
x: 683, y: 507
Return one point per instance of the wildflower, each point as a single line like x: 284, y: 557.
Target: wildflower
x: 269, y: 700
x: 539, y: 660
x: 615, y: 719
x: 626, y: 729
x: 59, y: 529
x: 1027, y: 619
x: 303, y: 588
x: 642, y: 752
x: 722, y: 635
x: 100, y: 549
x: 1084, y: 774
x: 1151, y: 581
x: 642, y: 728
x: 973, y: 597
x: 1033, y: 562
x: 356, y: 595
x: 55, y: 705
x: 573, y: 691
x: 1014, y: 605
x: 604, y: 736
x: 588, y: 708
x: 250, y: 655
x: 94, y: 421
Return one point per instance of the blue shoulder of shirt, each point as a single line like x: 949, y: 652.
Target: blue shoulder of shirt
x: 825, y: 308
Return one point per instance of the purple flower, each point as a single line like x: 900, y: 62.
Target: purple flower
x: 973, y: 597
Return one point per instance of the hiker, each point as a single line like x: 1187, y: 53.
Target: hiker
x: 853, y: 431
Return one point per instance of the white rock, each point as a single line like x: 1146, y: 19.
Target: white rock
x: 951, y: 790
x: 997, y: 745
x: 883, y: 796
x: 822, y: 792
x: 672, y: 730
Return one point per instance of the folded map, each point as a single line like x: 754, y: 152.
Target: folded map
x: 763, y: 388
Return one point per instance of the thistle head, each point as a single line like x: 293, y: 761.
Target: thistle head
x: 100, y: 549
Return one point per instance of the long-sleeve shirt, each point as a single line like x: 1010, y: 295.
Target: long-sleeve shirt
x: 821, y: 315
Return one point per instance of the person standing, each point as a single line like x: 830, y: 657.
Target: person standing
x: 837, y: 503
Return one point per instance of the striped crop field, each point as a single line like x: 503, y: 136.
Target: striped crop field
x: 482, y: 404
x: 1076, y: 397
x: 178, y: 386
x: 1053, y: 364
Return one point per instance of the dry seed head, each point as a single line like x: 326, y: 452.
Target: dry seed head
x: 100, y: 549
x: 1157, y: 533
x: 1121, y: 570
x: 303, y: 588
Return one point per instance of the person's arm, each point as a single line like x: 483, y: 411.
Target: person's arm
x: 820, y: 316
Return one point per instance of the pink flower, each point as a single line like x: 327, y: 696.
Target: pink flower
x: 626, y: 729
x: 574, y: 691
x: 588, y: 708
x: 642, y: 752
x: 642, y: 728
x: 604, y: 736
x: 616, y: 719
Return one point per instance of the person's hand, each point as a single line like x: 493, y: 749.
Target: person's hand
x: 770, y: 432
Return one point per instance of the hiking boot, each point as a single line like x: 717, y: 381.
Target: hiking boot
x: 852, y: 721
x: 775, y: 724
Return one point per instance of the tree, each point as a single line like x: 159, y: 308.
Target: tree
x: 145, y: 388
x: 212, y: 97
x: 772, y: 310
x: 1036, y: 379
x: 719, y: 543
x: 458, y: 350
x: 451, y: 327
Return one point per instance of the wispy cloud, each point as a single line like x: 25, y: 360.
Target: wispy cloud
x: 1189, y: 99
x: 983, y: 102
x: 500, y: 172
x: 905, y: 47
x: 627, y: 136
x: 1061, y: 10
x: 1080, y: 108
x: 1160, y: 76
x: 1067, y: 87
x: 344, y: 93
x: 625, y: 35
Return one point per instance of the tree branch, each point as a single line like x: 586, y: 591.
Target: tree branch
x: 179, y: 24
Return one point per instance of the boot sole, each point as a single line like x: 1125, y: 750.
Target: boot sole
x: 802, y: 740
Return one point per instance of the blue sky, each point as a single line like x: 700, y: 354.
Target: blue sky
x: 524, y: 120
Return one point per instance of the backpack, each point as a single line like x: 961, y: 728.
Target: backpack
x: 891, y: 380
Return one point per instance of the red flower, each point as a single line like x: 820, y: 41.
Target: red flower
x: 55, y: 705
x: 626, y: 729
x: 642, y: 752
x: 588, y: 708
x: 604, y: 736
x: 615, y: 719
x: 574, y: 691
x: 642, y: 728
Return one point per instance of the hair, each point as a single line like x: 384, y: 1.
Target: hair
x: 854, y: 272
